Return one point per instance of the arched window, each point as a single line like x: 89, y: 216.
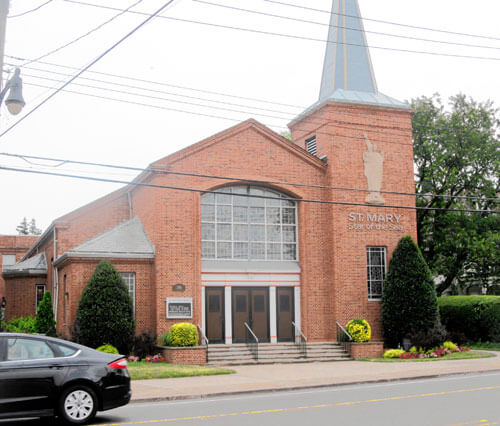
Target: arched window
x: 236, y: 226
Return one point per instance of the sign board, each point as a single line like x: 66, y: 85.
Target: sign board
x: 179, y: 307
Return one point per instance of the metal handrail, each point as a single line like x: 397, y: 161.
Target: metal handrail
x: 343, y: 337
x: 204, y: 339
x: 253, y: 346
x: 302, y: 340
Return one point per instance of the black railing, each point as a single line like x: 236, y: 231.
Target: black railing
x: 203, y: 339
x: 252, y: 342
x: 300, y: 340
x: 343, y: 337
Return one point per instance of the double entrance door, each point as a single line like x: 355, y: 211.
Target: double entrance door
x: 249, y: 305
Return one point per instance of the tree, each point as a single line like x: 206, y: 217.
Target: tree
x: 105, y: 313
x: 457, y: 161
x: 409, y: 302
x: 33, y: 230
x: 44, y: 321
x: 22, y: 228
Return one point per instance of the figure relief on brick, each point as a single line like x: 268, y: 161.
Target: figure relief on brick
x: 374, y: 163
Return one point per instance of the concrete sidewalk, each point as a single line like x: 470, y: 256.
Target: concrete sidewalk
x: 275, y: 377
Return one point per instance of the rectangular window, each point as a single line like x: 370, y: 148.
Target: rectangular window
x: 40, y: 291
x: 311, y: 145
x: 8, y: 259
x: 375, y: 266
x: 129, y: 280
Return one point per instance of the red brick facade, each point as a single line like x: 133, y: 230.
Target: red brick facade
x: 16, y: 245
x: 188, y: 356
x: 332, y: 257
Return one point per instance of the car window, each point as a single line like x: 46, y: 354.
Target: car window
x: 65, y: 350
x: 19, y: 349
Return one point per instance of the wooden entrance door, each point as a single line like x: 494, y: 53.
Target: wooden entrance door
x: 285, y: 313
x: 250, y: 305
x: 214, y: 305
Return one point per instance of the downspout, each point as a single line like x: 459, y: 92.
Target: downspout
x: 129, y: 205
x: 55, y: 278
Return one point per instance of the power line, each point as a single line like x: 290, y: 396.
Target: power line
x: 89, y: 65
x: 298, y: 37
x: 142, y: 88
x: 93, y: 30
x: 159, y: 83
x: 30, y: 11
x: 382, y: 21
x: 231, y: 178
x: 203, y: 191
x: 312, y: 131
x: 306, y: 21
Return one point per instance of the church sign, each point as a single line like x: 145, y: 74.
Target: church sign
x: 374, y: 221
x: 179, y: 307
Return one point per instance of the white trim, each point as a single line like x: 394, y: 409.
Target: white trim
x: 228, y: 318
x: 203, y: 310
x: 297, y: 311
x: 272, y: 315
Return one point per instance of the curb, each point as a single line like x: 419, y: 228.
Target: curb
x: 294, y: 388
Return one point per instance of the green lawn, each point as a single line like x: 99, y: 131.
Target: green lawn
x: 162, y: 370
x: 451, y: 357
x: 486, y: 346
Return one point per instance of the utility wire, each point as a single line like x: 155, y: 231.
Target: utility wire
x: 158, y: 83
x: 275, y: 125
x: 382, y: 21
x: 150, y: 17
x: 30, y: 11
x: 272, y: 15
x: 390, y: 123
x: 93, y: 30
x: 298, y: 37
x: 61, y: 162
x: 203, y: 191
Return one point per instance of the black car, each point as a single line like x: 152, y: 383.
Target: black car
x: 43, y: 376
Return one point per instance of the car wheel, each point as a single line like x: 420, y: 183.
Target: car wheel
x: 78, y: 404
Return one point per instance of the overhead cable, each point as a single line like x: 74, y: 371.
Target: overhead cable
x: 102, y: 55
x: 204, y: 191
x: 30, y: 11
x: 154, y: 170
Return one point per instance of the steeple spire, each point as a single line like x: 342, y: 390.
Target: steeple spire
x: 347, y: 64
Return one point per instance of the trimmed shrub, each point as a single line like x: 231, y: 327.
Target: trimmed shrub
x: 475, y: 317
x: 44, y: 321
x: 360, y: 330
x: 109, y: 349
x: 105, y: 313
x: 184, y: 334
x: 21, y: 325
x: 393, y: 353
x: 431, y: 338
x: 166, y: 339
x: 409, y: 303
x: 145, y: 343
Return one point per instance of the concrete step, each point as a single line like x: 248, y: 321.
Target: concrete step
x: 271, y: 353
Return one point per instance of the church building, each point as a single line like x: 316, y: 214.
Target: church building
x: 247, y: 226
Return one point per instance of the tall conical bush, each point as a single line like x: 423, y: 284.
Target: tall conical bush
x: 409, y: 303
x: 105, y: 312
x: 44, y: 321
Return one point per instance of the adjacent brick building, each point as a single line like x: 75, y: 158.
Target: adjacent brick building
x: 249, y: 227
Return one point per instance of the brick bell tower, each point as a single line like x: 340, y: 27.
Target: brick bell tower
x: 365, y: 137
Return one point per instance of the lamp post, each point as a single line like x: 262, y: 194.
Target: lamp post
x: 15, y: 101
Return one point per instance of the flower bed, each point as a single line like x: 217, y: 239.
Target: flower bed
x: 446, y: 348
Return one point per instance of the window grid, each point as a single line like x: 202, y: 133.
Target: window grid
x: 8, y: 260
x: 129, y: 280
x: 376, y: 269
x: 254, y: 214
x: 39, y: 292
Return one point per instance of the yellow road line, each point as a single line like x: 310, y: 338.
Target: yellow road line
x: 338, y: 404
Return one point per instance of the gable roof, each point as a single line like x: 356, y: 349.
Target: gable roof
x: 127, y: 240
x: 36, y: 265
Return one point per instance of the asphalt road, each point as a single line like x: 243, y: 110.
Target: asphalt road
x: 456, y: 400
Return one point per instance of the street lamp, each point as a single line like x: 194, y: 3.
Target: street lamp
x: 14, y: 86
